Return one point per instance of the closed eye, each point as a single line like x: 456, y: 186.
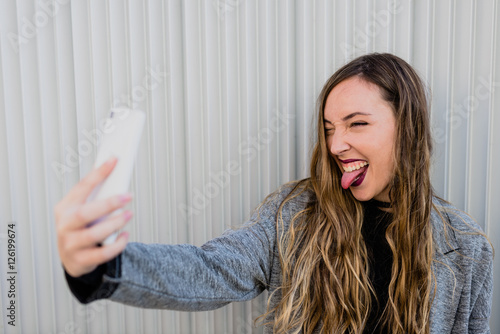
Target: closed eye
x: 327, y: 131
x: 358, y: 124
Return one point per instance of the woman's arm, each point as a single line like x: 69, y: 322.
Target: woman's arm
x: 236, y: 266
x: 233, y: 267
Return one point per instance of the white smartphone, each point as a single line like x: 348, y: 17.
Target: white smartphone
x: 120, y: 138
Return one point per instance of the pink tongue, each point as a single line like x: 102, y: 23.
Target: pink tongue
x: 349, y: 177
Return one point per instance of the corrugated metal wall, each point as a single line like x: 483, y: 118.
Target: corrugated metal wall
x: 229, y: 88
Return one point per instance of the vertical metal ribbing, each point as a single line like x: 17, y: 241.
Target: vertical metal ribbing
x: 271, y: 60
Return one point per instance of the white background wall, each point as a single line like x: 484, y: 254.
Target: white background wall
x: 221, y: 81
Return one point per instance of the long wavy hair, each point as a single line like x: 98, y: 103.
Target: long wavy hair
x: 325, y: 273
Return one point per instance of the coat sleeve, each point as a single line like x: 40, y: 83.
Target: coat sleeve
x: 481, y: 301
x: 233, y: 267
x: 236, y: 266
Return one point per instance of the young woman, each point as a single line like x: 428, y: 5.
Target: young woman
x: 362, y: 246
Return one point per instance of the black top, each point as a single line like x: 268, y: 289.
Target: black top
x: 86, y: 287
x: 89, y: 287
x: 375, y: 224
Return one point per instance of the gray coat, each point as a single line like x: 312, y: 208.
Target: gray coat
x: 241, y: 264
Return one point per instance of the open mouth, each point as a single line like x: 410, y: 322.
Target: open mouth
x: 354, y: 174
x: 354, y: 166
x: 359, y: 179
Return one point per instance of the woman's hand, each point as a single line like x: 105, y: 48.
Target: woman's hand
x: 76, y: 242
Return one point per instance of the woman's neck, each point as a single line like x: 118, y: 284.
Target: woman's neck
x: 384, y: 206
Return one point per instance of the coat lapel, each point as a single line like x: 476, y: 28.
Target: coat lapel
x: 448, y: 266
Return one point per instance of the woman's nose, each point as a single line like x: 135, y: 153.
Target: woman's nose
x: 338, y: 143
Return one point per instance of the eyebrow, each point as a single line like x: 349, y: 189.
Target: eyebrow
x: 348, y: 117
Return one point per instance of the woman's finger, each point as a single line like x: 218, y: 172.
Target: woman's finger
x: 82, y: 190
x: 86, y: 260
x: 95, y: 234
x: 94, y: 256
x: 86, y: 213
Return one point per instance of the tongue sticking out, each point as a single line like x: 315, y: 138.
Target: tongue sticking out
x: 349, y: 177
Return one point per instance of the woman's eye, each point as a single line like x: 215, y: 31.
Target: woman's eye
x: 358, y: 123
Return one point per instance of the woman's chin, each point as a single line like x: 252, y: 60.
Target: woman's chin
x: 364, y: 196
x: 361, y: 196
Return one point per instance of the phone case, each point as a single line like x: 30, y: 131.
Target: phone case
x: 121, y: 136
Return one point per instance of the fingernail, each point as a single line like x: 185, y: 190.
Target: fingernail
x: 125, y: 198
x: 110, y: 161
x: 127, y: 215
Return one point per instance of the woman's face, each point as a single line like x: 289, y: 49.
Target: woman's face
x: 360, y: 134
